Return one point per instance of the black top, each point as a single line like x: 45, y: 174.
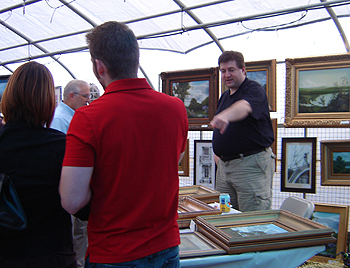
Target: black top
x: 252, y: 133
x: 32, y: 157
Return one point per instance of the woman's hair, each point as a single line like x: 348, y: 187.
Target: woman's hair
x: 29, y: 96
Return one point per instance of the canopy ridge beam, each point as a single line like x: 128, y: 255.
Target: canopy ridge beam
x: 338, y: 25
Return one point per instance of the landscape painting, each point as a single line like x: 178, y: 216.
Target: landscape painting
x: 317, y: 91
x: 341, y: 163
x: 195, y: 96
x: 199, y: 91
x: 324, y: 91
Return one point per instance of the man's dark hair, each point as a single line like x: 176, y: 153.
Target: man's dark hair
x: 116, y: 46
x: 232, y: 56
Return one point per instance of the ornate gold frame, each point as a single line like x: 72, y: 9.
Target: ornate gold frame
x: 322, y: 119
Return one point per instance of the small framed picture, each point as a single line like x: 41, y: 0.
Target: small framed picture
x: 335, y: 163
x: 298, y: 170
x: 204, y: 164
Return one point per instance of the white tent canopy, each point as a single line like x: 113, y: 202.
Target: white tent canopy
x: 172, y: 34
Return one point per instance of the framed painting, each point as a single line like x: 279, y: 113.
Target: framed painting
x: 317, y: 91
x: 336, y: 217
x: 3, y: 82
x: 263, y: 230
x: 201, y: 193
x: 198, y: 89
x: 335, y: 163
x: 204, y: 164
x: 184, y: 165
x: 298, y: 168
x: 263, y: 72
x: 194, y: 244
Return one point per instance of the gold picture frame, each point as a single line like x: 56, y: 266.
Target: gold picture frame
x: 263, y: 230
x: 190, y: 208
x: 201, y: 193
x: 194, y: 244
x: 336, y: 217
x: 334, y: 155
x: 317, y: 91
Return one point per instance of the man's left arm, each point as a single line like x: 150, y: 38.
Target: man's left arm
x: 75, y: 188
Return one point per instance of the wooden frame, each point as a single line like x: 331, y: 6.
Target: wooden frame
x: 201, y: 193
x: 298, y: 169
x: 336, y: 217
x: 204, y: 164
x: 200, y: 88
x: 264, y: 72
x: 263, y: 230
x: 184, y: 165
x: 317, y: 91
x: 194, y: 244
x: 190, y: 208
x: 334, y: 161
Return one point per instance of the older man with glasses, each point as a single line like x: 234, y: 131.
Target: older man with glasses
x: 75, y: 95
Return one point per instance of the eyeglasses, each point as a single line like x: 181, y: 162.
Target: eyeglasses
x: 86, y: 96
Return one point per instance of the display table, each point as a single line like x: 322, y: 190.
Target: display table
x: 288, y: 258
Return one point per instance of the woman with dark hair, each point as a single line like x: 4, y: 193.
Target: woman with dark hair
x: 31, y: 154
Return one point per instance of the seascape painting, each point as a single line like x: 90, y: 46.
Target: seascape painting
x: 324, y: 91
x: 255, y: 230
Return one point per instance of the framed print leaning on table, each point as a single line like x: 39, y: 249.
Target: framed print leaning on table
x: 336, y: 217
x: 298, y: 170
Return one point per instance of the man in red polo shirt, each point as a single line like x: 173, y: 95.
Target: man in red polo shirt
x: 122, y: 156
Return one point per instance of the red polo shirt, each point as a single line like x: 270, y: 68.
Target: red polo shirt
x: 132, y: 136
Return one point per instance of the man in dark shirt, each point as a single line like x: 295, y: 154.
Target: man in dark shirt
x: 242, y: 138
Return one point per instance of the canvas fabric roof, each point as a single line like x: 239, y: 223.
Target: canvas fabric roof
x: 172, y: 34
